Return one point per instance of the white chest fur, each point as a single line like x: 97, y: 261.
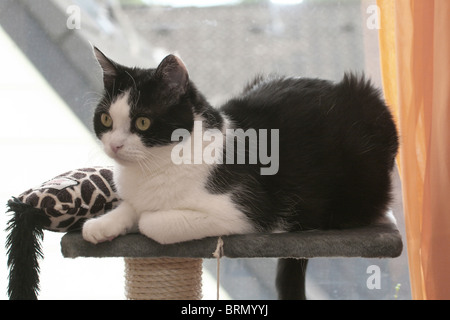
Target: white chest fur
x: 175, y: 198
x: 162, y: 185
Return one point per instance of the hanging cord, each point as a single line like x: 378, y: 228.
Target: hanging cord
x: 218, y: 254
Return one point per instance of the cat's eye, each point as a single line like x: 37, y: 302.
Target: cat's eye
x: 142, y: 123
x: 106, y: 120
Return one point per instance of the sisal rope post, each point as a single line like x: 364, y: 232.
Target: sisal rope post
x: 163, y: 278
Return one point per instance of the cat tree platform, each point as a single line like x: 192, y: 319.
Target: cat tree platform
x: 173, y: 271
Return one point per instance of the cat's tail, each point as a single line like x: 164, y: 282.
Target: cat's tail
x: 24, y: 249
x: 290, y: 280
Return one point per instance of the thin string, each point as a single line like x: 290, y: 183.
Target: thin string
x: 218, y: 254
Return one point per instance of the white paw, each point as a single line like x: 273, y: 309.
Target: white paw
x: 101, y: 230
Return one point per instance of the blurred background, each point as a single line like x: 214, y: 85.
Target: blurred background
x: 50, y: 84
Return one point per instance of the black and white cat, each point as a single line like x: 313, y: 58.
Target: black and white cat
x: 288, y: 154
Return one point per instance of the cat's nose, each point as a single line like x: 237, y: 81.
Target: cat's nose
x: 116, y: 148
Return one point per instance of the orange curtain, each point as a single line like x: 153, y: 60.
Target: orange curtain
x: 415, y: 58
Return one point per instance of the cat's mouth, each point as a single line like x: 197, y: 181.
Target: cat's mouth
x: 121, y: 160
x: 121, y: 155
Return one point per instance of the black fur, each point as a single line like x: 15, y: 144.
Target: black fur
x: 336, y: 151
x: 24, y: 249
x: 290, y: 280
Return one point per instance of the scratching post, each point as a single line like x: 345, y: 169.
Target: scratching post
x: 163, y: 278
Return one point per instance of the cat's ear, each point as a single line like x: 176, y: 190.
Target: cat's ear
x: 109, y: 67
x: 174, y: 75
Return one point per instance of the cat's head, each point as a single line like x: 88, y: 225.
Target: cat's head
x: 142, y: 107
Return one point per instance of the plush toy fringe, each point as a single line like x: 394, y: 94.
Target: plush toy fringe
x: 24, y: 249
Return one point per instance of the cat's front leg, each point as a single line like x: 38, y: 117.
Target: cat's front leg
x: 183, y: 225
x: 117, y: 222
